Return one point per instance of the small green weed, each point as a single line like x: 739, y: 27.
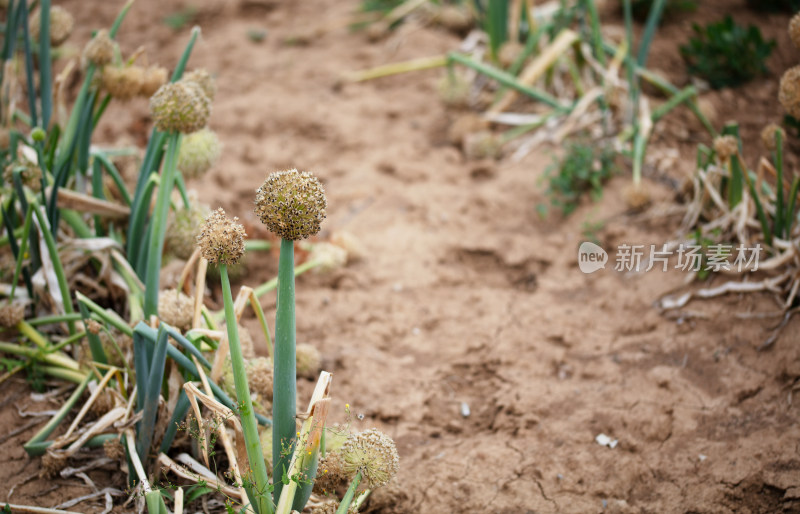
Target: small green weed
x: 582, y: 170
x: 726, y: 54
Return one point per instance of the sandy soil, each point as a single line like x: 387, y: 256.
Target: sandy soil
x: 466, y: 297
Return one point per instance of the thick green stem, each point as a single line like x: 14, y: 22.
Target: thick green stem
x: 284, y: 392
x: 50, y: 242
x: 348, y: 496
x: 258, y: 468
x: 159, y: 226
x: 62, y: 413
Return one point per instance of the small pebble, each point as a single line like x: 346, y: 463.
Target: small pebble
x: 465, y: 412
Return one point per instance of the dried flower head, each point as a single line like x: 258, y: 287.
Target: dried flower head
x: 114, y: 450
x: 203, y: 79
x: 291, y: 204
x: 768, y: 138
x: 176, y: 308
x: 61, y: 23
x: 330, y: 474
x: 29, y: 173
x: 259, y: 376
x: 180, y: 107
x: 328, y: 256
x: 454, y: 89
x: 199, y: 151
x: 725, y: 147
x: 794, y: 30
x: 183, y: 228
x: 374, y: 454
x: 221, y: 240
x: 52, y: 463
x: 154, y: 77
x: 100, y: 49
x: 789, y: 93
x: 11, y: 314
x: 309, y: 360
x: 93, y: 326
x: 481, y: 145
x: 455, y: 18
x: 123, y: 83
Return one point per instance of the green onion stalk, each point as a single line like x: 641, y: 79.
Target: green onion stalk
x: 221, y: 242
x: 291, y: 204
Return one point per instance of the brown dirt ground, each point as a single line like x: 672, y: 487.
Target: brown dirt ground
x: 465, y: 295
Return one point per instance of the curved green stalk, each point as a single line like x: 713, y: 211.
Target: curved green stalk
x: 57, y: 267
x: 159, y: 226
x: 284, y: 392
x: 258, y: 469
x: 348, y: 496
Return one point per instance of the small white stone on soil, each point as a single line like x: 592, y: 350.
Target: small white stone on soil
x: 604, y: 440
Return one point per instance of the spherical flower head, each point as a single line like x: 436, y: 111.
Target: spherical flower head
x: 202, y: 78
x: 328, y: 256
x: 725, y: 147
x: 374, y: 454
x: 183, y: 228
x: 309, y: 360
x: 154, y: 77
x: 789, y: 93
x: 180, y: 107
x: 61, y: 24
x: 123, y: 83
x: 29, y: 173
x: 11, y: 314
x: 330, y: 474
x: 794, y: 30
x: 100, y: 49
x: 291, y: 204
x: 259, y: 376
x: 637, y: 196
x: 768, y: 138
x: 454, y: 90
x: 199, y: 151
x: 221, y: 240
x: 176, y: 308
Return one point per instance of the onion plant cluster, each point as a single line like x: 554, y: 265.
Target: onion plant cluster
x: 550, y: 75
x: 730, y: 203
x: 82, y: 298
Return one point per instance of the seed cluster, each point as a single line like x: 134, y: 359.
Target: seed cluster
x: 199, y: 151
x: 11, y: 314
x: 100, y: 49
x: 374, y: 454
x: 61, y: 24
x: 29, y: 173
x: 789, y: 94
x: 768, y: 136
x: 794, y: 30
x: 153, y: 78
x: 180, y: 107
x: 725, y: 147
x: 259, y: 376
x: 309, y: 360
x: 330, y: 474
x: 176, y: 308
x: 291, y: 204
x: 221, y: 240
x: 184, y: 226
x: 202, y: 78
x: 123, y: 82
